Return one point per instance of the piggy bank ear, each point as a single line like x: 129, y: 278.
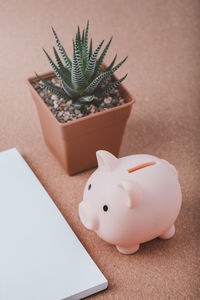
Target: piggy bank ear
x: 132, y: 191
x: 106, y: 159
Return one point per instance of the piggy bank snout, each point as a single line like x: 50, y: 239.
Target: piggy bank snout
x: 88, y: 217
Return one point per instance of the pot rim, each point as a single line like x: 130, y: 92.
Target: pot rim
x: 51, y: 74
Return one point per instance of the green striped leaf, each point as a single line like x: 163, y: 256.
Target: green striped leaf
x: 83, y: 38
x: 58, y: 60
x: 85, y: 46
x: 112, y: 63
x: 66, y: 75
x: 92, y: 62
x: 64, y: 55
x: 90, y: 50
x: 52, y: 88
x: 78, y: 57
x: 53, y: 65
x: 113, y: 70
x: 95, y: 83
x: 101, y: 58
x: 119, y: 64
x: 71, y: 92
x: 76, y: 75
x: 78, y: 41
x: 111, y: 86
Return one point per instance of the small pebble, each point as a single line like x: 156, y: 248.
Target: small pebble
x: 93, y: 110
x: 54, y: 97
x: 66, y: 117
x: 115, y: 101
x: 60, y: 114
x: 77, y: 111
x: 71, y: 110
x: 108, y: 100
x: 69, y: 103
x: 41, y: 94
x: 53, y: 80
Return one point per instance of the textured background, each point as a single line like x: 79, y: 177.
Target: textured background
x: 162, y: 41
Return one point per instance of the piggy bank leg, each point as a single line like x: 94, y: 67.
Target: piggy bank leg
x: 168, y: 234
x: 128, y: 250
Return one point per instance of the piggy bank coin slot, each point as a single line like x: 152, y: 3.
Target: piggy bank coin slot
x: 142, y: 166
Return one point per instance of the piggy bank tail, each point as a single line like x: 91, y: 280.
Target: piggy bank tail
x: 172, y: 167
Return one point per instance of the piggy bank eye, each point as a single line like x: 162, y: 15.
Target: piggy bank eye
x: 89, y: 186
x: 105, y: 207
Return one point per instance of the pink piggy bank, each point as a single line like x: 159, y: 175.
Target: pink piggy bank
x: 131, y: 200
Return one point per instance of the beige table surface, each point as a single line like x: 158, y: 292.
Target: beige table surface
x: 162, y: 40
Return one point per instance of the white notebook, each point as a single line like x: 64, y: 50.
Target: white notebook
x: 40, y: 256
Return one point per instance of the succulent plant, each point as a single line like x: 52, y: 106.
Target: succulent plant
x: 82, y: 78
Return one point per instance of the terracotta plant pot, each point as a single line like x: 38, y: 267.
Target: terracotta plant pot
x: 75, y: 144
